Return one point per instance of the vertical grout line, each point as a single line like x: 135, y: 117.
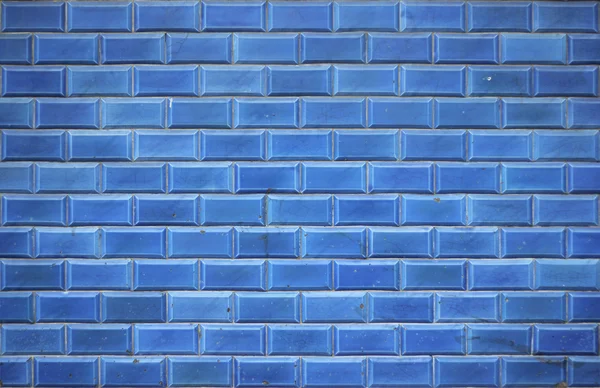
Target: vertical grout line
x: 33, y: 49
x: 66, y: 23
x: 133, y: 9
x: 434, y: 177
x: 266, y: 16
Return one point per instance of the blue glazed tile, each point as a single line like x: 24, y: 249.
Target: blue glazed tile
x: 537, y: 178
x: 72, y: 113
x: 258, y: 113
x: 499, y: 81
x: 459, y: 48
x: 470, y: 307
x: 509, y: 16
x: 533, y: 307
x: 466, y: 242
x: 150, y: 275
x: 352, y: 80
x: 433, y: 145
x: 17, y: 371
x: 246, y: 80
x: 207, y: 177
x: 432, y: 16
x: 583, y: 178
x: 204, y: 371
x: 583, y: 371
x: 274, y: 307
x: 514, y: 210
x: 473, y: 371
x: 52, y: 372
x: 467, y: 113
x: 560, y: 210
x: 369, y: 145
x: 27, y: 16
x: 266, y: 242
x: 324, y: 177
x: 580, y: 275
x: 429, y: 210
x: 15, y: 49
x: 370, y: 210
x: 94, y: 339
x: 538, y: 113
x: 199, y: 113
x: 232, y: 145
x: 206, y: 306
x: 59, y: 242
x: 549, y: 17
x: 200, y: 242
x: 232, y: 210
x: 583, y: 242
x: 139, y: 242
x: 524, y: 242
x: 299, y: 145
x: 67, y: 307
x: 300, y: 210
x: 309, y: 340
x: 394, y: 48
x: 146, y: 372
x: 343, y: 47
x: 128, y: 48
x: 570, y: 145
x: 27, y: 339
x: 112, y: 81
x: 400, y: 372
x: 106, y: 210
x: 233, y: 340
x: 153, y: 339
x: 500, y: 274
x: 500, y: 145
x: 375, y: 275
x: 401, y: 307
x: 16, y: 177
x: 583, y: 307
x: 16, y: 307
x: 260, y: 48
x: 559, y: 81
x: 365, y: 16
x: 566, y: 339
x: 134, y: 113
x: 533, y: 371
x: 406, y: 112
x: 583, y: 113
x: 174, y: 80
x: 128, y: 307
x: 404, y: 242
x: 77, y: 49
x: 499, y: 339
x: 106, y: 16
x: 343, y: 242
x: 333, y: 113
x: 299, y: 16
x: 166, y: 145
x: 33, y: 82
x: 16, y: 113
x: 434, y: 275
x: 245, y: 275
x: 547, y: 49
x: 444, y: 339
x: 220, y: 15
x: 332, y: 372
x: 426, y: 80
x: 355, y: 340
x: 99, y: 275
x: 281, y: 372
x: 583, y: 49
x: 337, y: 307
x: 141, y: 178
x: 16, y: 242
x: 47, y: 210
x: 397, y: 177
x: 313, y: 80
x: 199, y: 48
x: 467, y: 177
x: 171, y: 16
x: 69, y: 178
x: 286, y: 275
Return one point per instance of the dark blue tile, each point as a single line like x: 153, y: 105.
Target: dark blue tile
x: 444, y: 339
x: 244, y: 275
x: 583, y: 113
x: 467, y: 307
x: 583, y: 242
x: 369, y: 210
x: 33, y: 82
x: 339, y: 306
x: 343, y: 47
x: 141, y: 371
x: 566, y: 145
x: 514, y: 210
x: 584, y: 307
x: 232, y: 145
x: 513, y: 16
x: 149, y: 275
x: 472, y: 371
x: 139, y: 242
x: 533, y: 307
x: 405, y: 242
x: 530, y: 113
x: 343, y: 242
x: 559, y: 81
x: 375, y: 275
x: 333, y: 113
x: 426, y: 80
x: 220, y: 15
x: 198, y: 48
x: 99, y: 274
x: 429, y: 210
x: 60, y: 242
x: 53, y: 372
x: 400, y: 372
x: 560, y: 210
x: 286, y: 275
x: 534, y: 178
x: 267, y: 242
x: 17, y: 371
x: 580, y: 275
x: 466, y: 242
x: 583, y: 371
x: 501, y: 274
x: 533, y: 371
x: 16, y: 113
x: 309, y: 340
x: 134, y: 307
x: 433, y: 145
x: 199, y: 113
x: 153, y: 339
x: 467, y: 178
x: 67, y: 307
x: 204, y: 371
x: 549, y: 17
x: 128, y: 48
x: 500, y: 145
x: 467, y: 113
x: 547, y: 49
x: 299, y: 16
x: 351, y: 80
x: 243, y: 80
x: 566, y: 339
x: 306, y: 80
x: 246, y: 340
x: 28, y: 339
x: 432, y: 16
x: 260, y: 113
x: 583, y: 49
x: 193, y: 306
x: 27, y: 16
x: 434, y: 275
x: 127, y: 177
x: 334, y: 372
x: 355, y: 340
x: 460, y: 48
x: 406, y: 178
x: 16, y: 177
x: 366, y: 145
x: 300, y: 145
x: 324, y: 177
x: 206, y: 242
x: 47, y: 210
x: 166, y: 145
x: 112, y: 81
x: 105, y: 210
x: 232, y: 210
x: 99, y: 16
x: 499, y: 81
x: 365, y: 16
x: 133, y: 113
x: 16, y: 307
x: 300, y: 210
x: 15, y: 49
x: 174, y: 80
x: 260, y: 48
x: 401, y: 307
x: 399, y: 48
x: 167, y: 16
x: 206, y: 177
x: 274, y: 307
x: 499, y: 339
x: 524, y: 242
x: 280, y: 372
x: 406, y: 112
x: 77, y: 49
x: 16, y: 242
x: 78, y: 113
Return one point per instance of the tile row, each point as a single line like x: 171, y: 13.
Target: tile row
x: 308, y: 372
x: 316, y: 275
x: 311, y: 145
x: 261, y: 16
x: 296, y: 340
x: 296, y: 178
